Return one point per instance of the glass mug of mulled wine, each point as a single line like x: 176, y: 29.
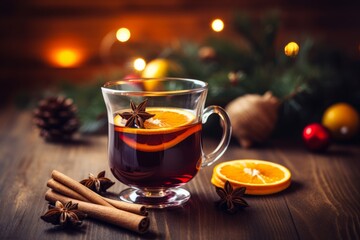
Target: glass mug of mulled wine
x: 154, y: 141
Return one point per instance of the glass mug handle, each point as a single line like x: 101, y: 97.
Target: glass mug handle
x: 210, y: 158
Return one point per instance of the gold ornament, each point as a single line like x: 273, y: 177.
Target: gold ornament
x: 342, y: 120
x: 291, y: 49
x: 253, y: 117
x: 160, y: 68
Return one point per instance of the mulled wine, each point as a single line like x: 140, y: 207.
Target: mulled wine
x: 155, y: 159
x: 154, y: 140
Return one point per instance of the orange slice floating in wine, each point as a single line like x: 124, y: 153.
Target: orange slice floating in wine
x: 258, y: 176
x: 177, y: 124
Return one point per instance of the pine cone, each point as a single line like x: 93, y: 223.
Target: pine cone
x: 56, y: 118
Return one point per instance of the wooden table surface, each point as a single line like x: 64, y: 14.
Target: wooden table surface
x: 321, y: 203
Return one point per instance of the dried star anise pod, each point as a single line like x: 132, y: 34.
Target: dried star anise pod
x: 97, y: 184
x: 138, y: 116
x: 230, y: 199
x: 65, y: 215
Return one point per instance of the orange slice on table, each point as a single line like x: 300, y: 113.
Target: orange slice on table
x: 165, y: 121
x: 258, y: 176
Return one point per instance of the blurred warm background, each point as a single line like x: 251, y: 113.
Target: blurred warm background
x: 35, y: 32
x: 46, y: 43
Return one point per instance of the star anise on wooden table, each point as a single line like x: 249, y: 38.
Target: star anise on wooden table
x: 65, y: 215
x: 138, y: 116
x: 97, y: 184
x: 231, y: 200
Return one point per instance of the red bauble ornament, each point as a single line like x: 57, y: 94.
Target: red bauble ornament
x: 133, y: 79
x: 316, y: 137
x: 132, y: 76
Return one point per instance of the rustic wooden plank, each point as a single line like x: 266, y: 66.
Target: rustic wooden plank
x: 323, y: 200
x: 272, y: 217
x: 321, y: 203
x: 24, y: 183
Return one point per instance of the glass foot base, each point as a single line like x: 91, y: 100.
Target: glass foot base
x: 156, y: 198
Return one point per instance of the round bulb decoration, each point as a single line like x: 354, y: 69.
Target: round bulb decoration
x: 66, y: 57
x: 217, y: 25
x: 123, y: 35
x: 159, y: 68
x: 342, y: 120
x: 139, y: 64
x: 253, y: 117
x: 316, y: 137
x: 291, y: 49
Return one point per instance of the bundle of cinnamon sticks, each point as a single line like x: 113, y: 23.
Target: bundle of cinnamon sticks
x: 127, y: 215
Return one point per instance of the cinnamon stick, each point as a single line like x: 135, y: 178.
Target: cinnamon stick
x: 110, y: 215
x: 129, y: 207
x: 64, y: 190
x: 79, y: 188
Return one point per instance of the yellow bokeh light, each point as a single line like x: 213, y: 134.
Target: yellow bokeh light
x: 139, y: 64
x: 123, y: 34
x: 217, y: 25
x: 66, y: 57
x: 291, y: 49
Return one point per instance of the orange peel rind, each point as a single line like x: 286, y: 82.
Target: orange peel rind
x: 258, y: 176
x: 163, y: 146
x: 165, y: 121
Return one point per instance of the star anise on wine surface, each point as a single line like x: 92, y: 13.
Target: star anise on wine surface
x: 231, y: 199
x: 97, y: 184
x: 137, y: 116
x: 65, y: 215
